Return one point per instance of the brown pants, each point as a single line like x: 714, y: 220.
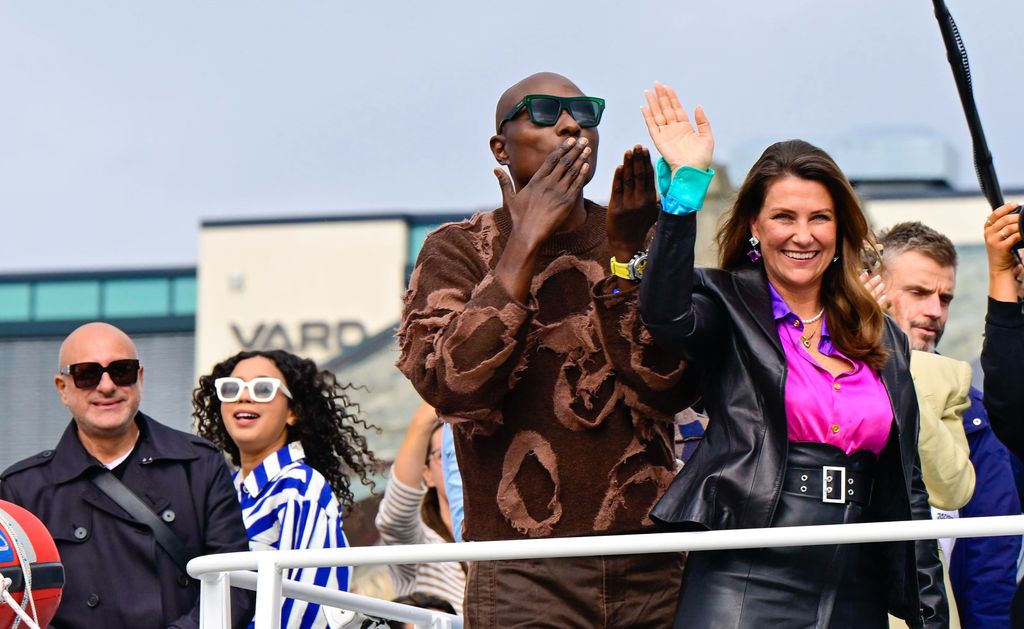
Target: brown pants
x: 585, y: 592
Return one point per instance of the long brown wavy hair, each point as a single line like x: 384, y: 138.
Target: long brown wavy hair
x: 855, y: 321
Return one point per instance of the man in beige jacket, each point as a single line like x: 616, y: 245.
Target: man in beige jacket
x: 919, y: 277
x: 942, y: 385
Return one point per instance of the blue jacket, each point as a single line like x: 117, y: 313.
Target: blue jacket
x: 983, y: 570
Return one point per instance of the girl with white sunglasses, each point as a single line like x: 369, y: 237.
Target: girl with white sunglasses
x: 293, y: 432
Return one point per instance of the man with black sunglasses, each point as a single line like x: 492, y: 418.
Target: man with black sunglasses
x: 124, y: 567
x: 520, y: 327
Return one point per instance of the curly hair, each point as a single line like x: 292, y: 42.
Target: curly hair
x: 327, y: 425
x: 855, y: 320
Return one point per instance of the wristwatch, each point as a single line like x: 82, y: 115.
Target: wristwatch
x: 632, y: 270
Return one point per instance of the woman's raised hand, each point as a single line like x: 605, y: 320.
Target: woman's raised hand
x: 1002, y: 232
x: 672, y: 132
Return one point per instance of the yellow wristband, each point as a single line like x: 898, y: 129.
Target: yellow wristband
x: 632, y: 270
x: 620, y: 269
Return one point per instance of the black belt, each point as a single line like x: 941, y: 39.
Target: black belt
x: 829, y: 483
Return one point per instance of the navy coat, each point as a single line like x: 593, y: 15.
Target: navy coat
x: 116, y: 573
x: 983, y: 570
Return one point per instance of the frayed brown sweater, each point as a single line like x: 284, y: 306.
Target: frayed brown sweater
x: 562, y: 407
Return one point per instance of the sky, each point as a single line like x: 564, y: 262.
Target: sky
x: 124, y: 125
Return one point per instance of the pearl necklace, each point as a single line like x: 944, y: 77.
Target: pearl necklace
x: 814, y: 318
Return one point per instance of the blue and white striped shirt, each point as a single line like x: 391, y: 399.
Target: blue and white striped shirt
x: 287, y: 505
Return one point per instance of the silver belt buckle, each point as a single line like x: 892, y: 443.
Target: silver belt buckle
x: 828, y: 483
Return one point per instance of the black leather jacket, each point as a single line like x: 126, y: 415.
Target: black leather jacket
x: 1000, y: 362
x: 1004, y: 391
x: 721, y: 323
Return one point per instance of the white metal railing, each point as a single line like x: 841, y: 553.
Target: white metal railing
x: 214, y: 599
x: 362, y: 604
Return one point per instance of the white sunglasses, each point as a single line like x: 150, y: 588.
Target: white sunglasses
x: 260, y: 389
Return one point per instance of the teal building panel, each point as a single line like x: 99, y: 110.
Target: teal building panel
x: 136, y: 297
x: 63, y: 300
x: 15, y: 301
x: 183, y: 296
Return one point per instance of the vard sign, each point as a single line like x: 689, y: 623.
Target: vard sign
x: 302, y: 337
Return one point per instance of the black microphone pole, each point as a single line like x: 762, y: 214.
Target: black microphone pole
x: 956, y: 52
x: 957, y: 55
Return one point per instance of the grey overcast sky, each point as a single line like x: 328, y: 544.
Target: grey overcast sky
x: 123, y: 125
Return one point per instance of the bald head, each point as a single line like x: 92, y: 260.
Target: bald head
x: 539, y: 83
x: 89, y: 341
x: 103, y: 410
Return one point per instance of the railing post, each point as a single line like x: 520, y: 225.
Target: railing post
x: 268, y: 594
x: 215, y: 601
x: 440, y: 621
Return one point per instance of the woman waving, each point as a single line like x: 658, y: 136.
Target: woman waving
x: 812, y: 413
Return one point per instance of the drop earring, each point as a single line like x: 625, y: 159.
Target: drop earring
x: 835, y: 259
x: 754, y: 254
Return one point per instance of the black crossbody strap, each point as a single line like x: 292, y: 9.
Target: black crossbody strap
x: 127, y: 500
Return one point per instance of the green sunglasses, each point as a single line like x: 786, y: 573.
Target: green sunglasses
x: 544, y: 110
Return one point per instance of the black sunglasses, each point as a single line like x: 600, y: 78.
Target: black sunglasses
x: 122, y: 372
x: 544, y: 110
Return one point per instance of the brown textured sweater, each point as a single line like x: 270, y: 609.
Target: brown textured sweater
x: 563, y: 406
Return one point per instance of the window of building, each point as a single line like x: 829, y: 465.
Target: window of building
x: 183, y: 296
x: 35, y: 304
x: 64, y: 300
x: 15, y: 301
x: 145, y: 297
